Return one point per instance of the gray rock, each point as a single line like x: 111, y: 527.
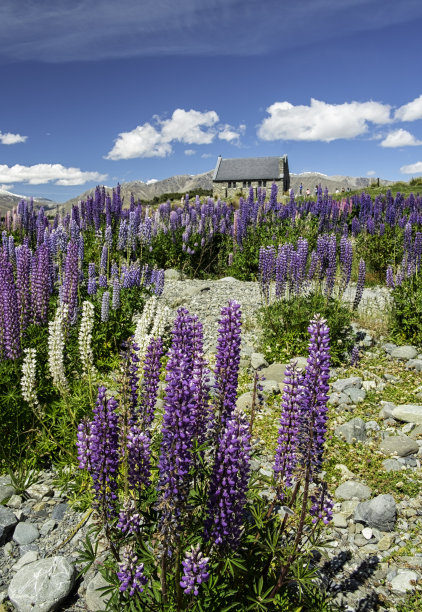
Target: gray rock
x: 228, y: 279
x: 59, y: 511
x: 25, y: 533
x: 410, y: 413
x: 29, y: 557
x: 244, y: 401
x: 390, y: 377
x: 258, y: 361
x: 340, y: 520
x: 402, y: 581
x: 275, y: 372
x: 342, y: 384
x: 301, y: 362
x: 14, y: 502
x: 416, y: 432
x: 339, y: 398
x: 8, y: 522
x: 352, y: 488
x: 27, y: 548
x: 43, y: 585
x: 392, y: 465
x: 372, y: 426
x: 386, y: 411
x: 398, y: 445
x: 414, y: 364
x: 389, y: 347
x: 355, y: 394
x: 404, y: 353
x: 379, y: 512
x: 47, y: 527
x: 94, y: 599
x: 270, y: 386
x: 6, y: 491
x: 172, y: 274
x: 352, y: 431
x: 38, y: 491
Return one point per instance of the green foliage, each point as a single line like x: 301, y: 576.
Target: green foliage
x: 285, y: 326
x: 407, y: 311
x: 379, y: 252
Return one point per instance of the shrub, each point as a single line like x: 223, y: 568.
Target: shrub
x: 284, y: 327
x: 407, y: 310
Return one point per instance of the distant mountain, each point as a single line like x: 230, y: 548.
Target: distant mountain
x: 8, y: 200
x: 180, y: 183
x: 188, y: 182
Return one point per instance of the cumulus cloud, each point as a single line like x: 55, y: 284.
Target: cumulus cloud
x: 415, y: 168
x: 151, y: 181
x: 8, y: 138
x: 189, y: 127
x: 321, y: 121
x: 40, y: 174
x: 400, y: 138
x: 231, y: 134
x: 411, y: 111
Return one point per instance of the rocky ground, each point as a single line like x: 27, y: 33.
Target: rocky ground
x: 373, y: 559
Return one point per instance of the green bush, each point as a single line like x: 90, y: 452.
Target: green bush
x: 285, y: 327
x: 407, y: 311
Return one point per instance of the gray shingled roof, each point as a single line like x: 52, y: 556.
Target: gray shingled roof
x: 249, y: 168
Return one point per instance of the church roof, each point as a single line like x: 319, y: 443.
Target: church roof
x: 249, y: 168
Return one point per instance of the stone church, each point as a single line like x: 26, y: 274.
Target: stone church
x: 235, y: 176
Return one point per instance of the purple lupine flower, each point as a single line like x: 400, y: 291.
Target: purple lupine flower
x: 82, y: 444
x: 227, y: 360
x: 150, y: 382
x: 178, y: 428
x: 122, y: 239
x: 71, y: 279
x: 92, y: 283
x: 346, y: 260
x: 354, y: 356
x: 315, y: 395
x: 104, y: 258
x: 104, y: 452
x: 286, y: 456
x: 139, y: 458
x: 158, y: 281
x: 390, y: 278
x: 229, y: 483
x: 332, y: 265
x: 40, y: 285
x: 360, y: 284
x: 102, y: 281
x: 267, y: 259
x: 322, y: 505
x: 105, y: 306
x: 129, y: 520
x: 115, y: 300
x: 10, y: 345
x: 131, y: 574
x: 23, y: 281
x: 195, y: 570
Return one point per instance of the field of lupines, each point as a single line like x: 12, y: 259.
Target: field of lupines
x: 189, y: 525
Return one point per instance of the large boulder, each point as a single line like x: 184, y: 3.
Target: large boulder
x: 352, y: 489
x: 352, y: 431
x: 410, y: 413
x: 404, y: 353
x: 42, y: 586
x: 399, y: 445
x: 379, y: 512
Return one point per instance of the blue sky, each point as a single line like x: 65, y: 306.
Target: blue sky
x: 99, y: 91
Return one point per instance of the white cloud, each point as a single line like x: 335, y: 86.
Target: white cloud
x: 231, y: 134
x: 8, y: 138
x: 208, y: 155
x: 40, y: 174
x: 400, y: 138
x: 371, y: 173
x: 189, y: 127
x: 411, y: 111
x: 412, y: 168
x: 190, y: 152
x: 151, y: 181
x: 321, y: 121
x: 6, y: 187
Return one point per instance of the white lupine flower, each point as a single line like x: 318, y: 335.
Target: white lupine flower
x: 145, y: 322
x: 28, y: 382
x: 161, y: 318
x: 56, y: 347
x: 85, y: 338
